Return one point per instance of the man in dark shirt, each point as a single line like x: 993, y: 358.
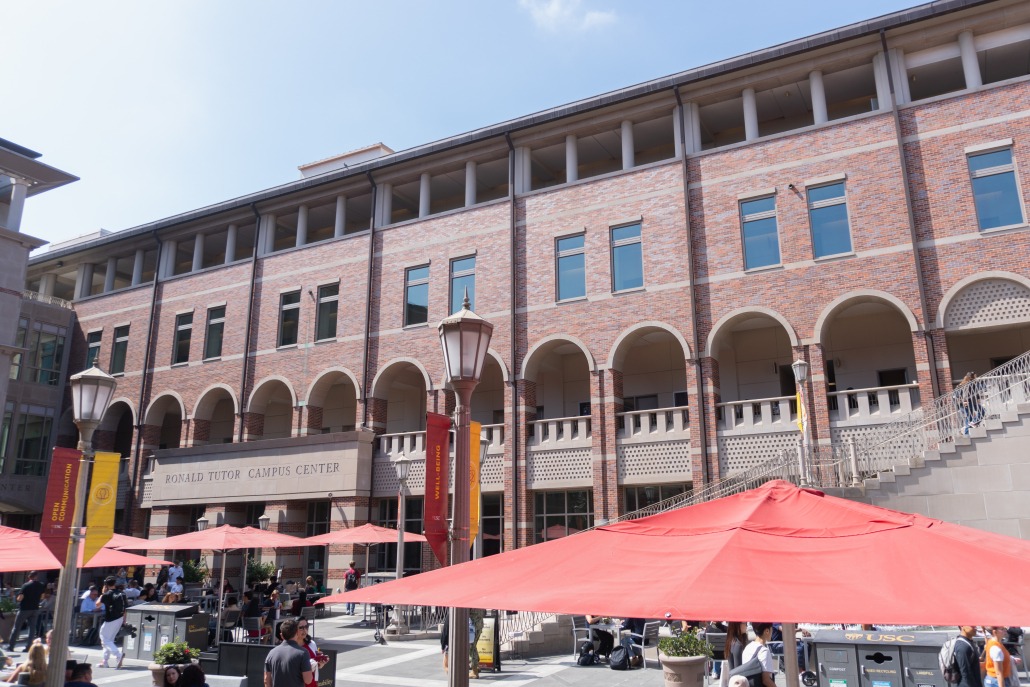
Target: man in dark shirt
x: 114, y: 615
x: 82, y: 676
x: 28, y: 610
x: 967, y: 656
x: 288, y: 665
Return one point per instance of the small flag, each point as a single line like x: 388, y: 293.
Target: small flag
x: 103, y: 494
x: 475, y: 430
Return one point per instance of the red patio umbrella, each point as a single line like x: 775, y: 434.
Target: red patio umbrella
x: 367, y: 534
x: 124, y: 541
x: 21, y: 550
x: 112, y: 558
x: 776, y: 553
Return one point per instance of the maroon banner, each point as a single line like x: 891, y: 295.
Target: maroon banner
x: 59, y: 507
x: 438, y: 470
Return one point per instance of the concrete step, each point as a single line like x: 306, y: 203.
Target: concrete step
x: 902, y: 470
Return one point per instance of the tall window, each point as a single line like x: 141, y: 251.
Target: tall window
x: 215, y: 330
x: 642, y: 497
x: 328, y: 307
x: 289, y: 318
x: 183, y: 335
x: 119, y: 349
x: 416, y: 295
x: 319, y: 513
x: 828, y: 215
x: 92, y: 347
x: 32, y: 441
x: 560, y: 513
x: 761, y: 240
x: 627, y: 258
x: 998, y: 202
x: 492, y: 524
x: 46, y: 351
x: 463, y: 276
x: 19, y: 341
x: 5, y: 433
x: 386, y: 554
x: 570, y: 266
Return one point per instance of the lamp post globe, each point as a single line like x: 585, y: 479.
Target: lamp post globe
x: 202, y: 523
x: 465, y: 339
x: 92, y: 391
x: 263, y: 521
x: 800, y: 368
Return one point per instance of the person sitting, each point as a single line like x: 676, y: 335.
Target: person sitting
x: 227, y: 588
x: 172, y: 676
x: 90, y: 603
x: 300, y: 602
x: 758, y: 649
x: 33, y: 671
x: 309, y: 585
x: 148, y: 594
x: 272, y: 605
x: 252, y: 609
x: 82, y: 676
x: 605, y: 640
x: 635, y: 626
x: 133, y: 592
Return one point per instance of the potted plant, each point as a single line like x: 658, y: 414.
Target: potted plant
x: 172, y: 654
x: 8, y: 610
x: 684, y: 659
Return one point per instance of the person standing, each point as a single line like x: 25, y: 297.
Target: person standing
x: 758, y: 649
x: 28, y: 610
x: 317, y: 658
x: 967, y: 657
x: 288, y: 665
x: 997, y: 663
x: 114, y: 615
x: 174, y: 573
x: 350, y: 583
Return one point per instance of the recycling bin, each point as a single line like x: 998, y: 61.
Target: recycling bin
x: 155, y: 625
x: 193, y: 630
x: 871, y: 658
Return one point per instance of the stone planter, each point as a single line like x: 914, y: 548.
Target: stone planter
x: 683, y: 671
x: 157, y: 671
x: 7, y: 624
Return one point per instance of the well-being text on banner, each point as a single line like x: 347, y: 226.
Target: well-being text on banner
x: 437, y: 477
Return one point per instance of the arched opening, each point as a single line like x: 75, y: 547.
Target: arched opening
x: 214, y: 420
x: 488, y: 398
x: 986, y: 324
x: 560, y: 369
x: 401, y: 388
x: 754, y: 353
x: 335, y: 395
x: 115, y: 431
x: 166, y: 415
x: 271, y: 410
x: 652, y: 360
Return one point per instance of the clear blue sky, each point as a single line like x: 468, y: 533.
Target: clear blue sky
x: 163, y: 107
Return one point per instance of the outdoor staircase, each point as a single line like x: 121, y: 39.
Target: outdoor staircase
x: 549, y: 635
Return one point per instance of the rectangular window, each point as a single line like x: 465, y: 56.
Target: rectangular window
x: 627, y: 258
x: 642, y: 497
x: 560, y: 513
x: 463, y: 277
x: 995, y: 191
x: 328, y: 307
x: 215, y: 330
x: 119, y: 349
x: 570, y: 265
x: 828, y: 216
x: 289, y: 318
x: 416, y: 295
x: 92, y: 347
x: 46, y: 351
x: 32, y: 443
x: 5, y: 433
x: 386, y: 554
x: 19, y: 341
x: 761, y: 239
x: 183, y: 335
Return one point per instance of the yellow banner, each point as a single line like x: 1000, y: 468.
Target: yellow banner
x: 475, y: 430
x: 103, y: 493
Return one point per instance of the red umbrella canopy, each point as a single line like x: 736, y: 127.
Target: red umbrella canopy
x: 365, y: 534
x: 21, y: 550
x: 227, y: 537
x: 776, y: 553
x: 111, y: 558
x: 124, y: 541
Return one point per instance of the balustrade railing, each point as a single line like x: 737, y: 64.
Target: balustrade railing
x: 49, y: 300
x: 560, y: 432
x: 411, y: 444
x: 870, y: 406
x: 758, y: 415
x: 653, y: 425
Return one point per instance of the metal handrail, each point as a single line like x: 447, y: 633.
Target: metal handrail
x: 49, y: 300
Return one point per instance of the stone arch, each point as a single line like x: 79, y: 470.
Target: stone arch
x: 209, y: 397
x: 548, y: 344
x: 732, y: 317
x: 985, y: 299
x: 262, y: 391
x: 160, y: 405
x: 332, y: 400
x: 106, y: 422
x: 500, y: 363
x: 325, y: 379
x: 853, y: 298
x: 115, y: 431
x: 160, y: 426
x: 628, y: 337
x: 387, y: 372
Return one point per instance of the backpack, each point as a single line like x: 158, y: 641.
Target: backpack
x: 586, y: 657
x: 948, y: 663
x: 116, y: 608
x: 752, y: 670
x: 619, y: 660
x: 351, y: 581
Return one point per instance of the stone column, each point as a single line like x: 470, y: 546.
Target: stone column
x: 112, y: 263
x: 385, y: 204
x: 692, y: 125
x: 230, y: 244
x: 571, y: 158
x: 883, y: 91
x: 288, y: 517
x: 84, y: 280
x: 470, y: 183
x: 198, y: 253
x: 750, y: 114
x: 815, y: 82
x: 302, y: 226
x: 377, y: 414
x: 944, y: 372
x: 169, y: 248
x: 424, y: 182
x: 340, y: 225
x: 19, y: 189
x: 970, y: 65
x: 523, y: 170
x: 137, y: 267
x: 47, y: 284
x: 628, y: 150
x: 922, y: 349
x: 900, y: 73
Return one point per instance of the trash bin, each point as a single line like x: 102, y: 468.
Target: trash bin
x: 155, y: 625
x: 193, y: 630
x: 861, y: 658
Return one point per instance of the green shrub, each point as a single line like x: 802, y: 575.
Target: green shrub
x: 258, y: 571
x: 689, y: 643
x: 194, y: 572
x: 175, y: 653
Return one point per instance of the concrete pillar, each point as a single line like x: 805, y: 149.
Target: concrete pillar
x: 385, y: 204
x: 137, y: 267
x: 267, y: 233
x: 302, y: 226
x: 899, y: 71
x: 750, y: 114
x: 341, y: 216
x: 470, y: 183
x: 168, y: 251
x: 692, y: 125
x: 527, y: 170
x: 628, y: 161
x: 19, y: 189
x: 883, y: 91
x: 112, y: 263
x: 47, y: 284
x: 198, y: 253
x: 83, y: 280
x: 815, y: 83
x: 230, y: 244
x: 677, y: 131
x: 970, y: 65
x: 423, y: 194
x: 571, y: 158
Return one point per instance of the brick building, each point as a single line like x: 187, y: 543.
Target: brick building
x: 653, y: 260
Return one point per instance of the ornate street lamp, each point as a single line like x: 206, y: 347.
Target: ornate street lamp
x: 202, y: 523
x: 263, y: 521
x: 800, y: 368
x: 403, y: 467
x: 92, y: 391
x: 465, y: 338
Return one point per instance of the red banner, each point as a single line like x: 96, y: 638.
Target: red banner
x: 59, y: 507
x: 438, y: 470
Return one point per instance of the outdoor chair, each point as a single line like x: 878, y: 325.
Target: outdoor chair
x: 649, y: 638
x: 230, y: 622
x: 718, y: 642
x: 580, y: 632
x: 255, y: 631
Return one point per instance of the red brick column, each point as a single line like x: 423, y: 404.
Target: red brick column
x: 606, y: 401
x: 201, y: 433
x: 312, y: 420
x: 710, y: 383
x: 945, y: 375
x: 518, y: 525
x: 377, y: 414
x: 921, y: 348
x: 103, y: 440
x: 816, y: 390
x: 253, y: 426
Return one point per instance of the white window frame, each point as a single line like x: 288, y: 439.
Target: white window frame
x: 180, y: 327
x: 458, y: 275
x: 335, y: 298
x: 754, y: 217
x: 283, y: 307
x: 568, y: 253
x: 207, y: 331
x: 114, y: 347
x: 976, y: 151
x: 408, y: 283
x: 829, y: 202
x: 613, y: 244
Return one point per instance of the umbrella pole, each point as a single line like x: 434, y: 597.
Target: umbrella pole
x: 221, y: 603
x: 364, y: 611
x: 790, y: 653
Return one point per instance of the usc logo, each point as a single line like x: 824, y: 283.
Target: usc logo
x: 103, y: 494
